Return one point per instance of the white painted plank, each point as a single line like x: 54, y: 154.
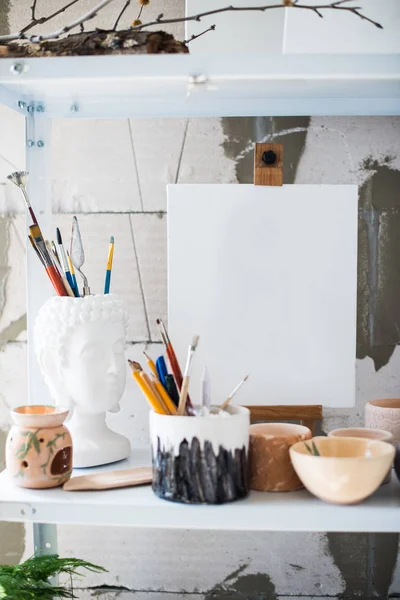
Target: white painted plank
x: 256, y: 272
x: 139, y: 507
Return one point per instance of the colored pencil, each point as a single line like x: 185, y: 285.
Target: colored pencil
x: 151, y: 363
x: 48, y: 265
x: 186, y: 379
x: 109, y: 266
x: 147, y: 390
x: 165, y: 397
x: 162, y: 370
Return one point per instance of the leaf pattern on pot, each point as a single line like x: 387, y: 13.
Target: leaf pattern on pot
x: 31, y: 440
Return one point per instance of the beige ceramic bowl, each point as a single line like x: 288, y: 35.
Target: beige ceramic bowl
x: 347, y: 471
x: 366, y: 433
x: 269, y: 461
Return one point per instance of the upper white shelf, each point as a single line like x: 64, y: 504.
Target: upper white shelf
x: 138, y: 507
x: 203, y: 85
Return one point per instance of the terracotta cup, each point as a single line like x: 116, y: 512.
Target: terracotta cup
x: 270, y: 465
x: 384, y: 414
x: 369, y: 434
x: 39, y: 447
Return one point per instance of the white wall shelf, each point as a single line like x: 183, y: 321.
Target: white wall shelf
x: 139, y: 507
x: 226, y: 85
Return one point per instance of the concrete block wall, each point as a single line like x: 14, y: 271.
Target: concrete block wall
x: 112, y: 175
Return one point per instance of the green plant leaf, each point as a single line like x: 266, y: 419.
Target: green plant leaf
x: 315, y: 449
x: 308, y: 448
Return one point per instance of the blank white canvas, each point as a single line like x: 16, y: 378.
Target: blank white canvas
x: 267, y: 277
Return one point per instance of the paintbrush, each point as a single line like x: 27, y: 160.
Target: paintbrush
x: 173, y: 361
x: 63, y: 257
x: 72, y: 271
x: 57, y: 265
x: 233, y: 393
x: 186, y: 378
x: 19, y: 179
x: 48, y: 265
x: 109, y: 266
x: 78, y: 255
x: 36, y: 249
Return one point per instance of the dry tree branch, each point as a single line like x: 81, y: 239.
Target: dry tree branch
x: 127, y: 3
x: 41, y: 20
x: 291, y: 4
x: 194, y: 37
x: 317, y: 8
x: 55, y: 34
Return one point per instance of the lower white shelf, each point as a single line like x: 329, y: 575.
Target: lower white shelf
x: 139, y: 507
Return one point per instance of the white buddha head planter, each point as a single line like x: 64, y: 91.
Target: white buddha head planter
x: 80, y: 347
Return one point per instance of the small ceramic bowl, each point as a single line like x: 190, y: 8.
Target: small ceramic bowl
x: 347, y: 471
x: 363, y: 432
x: 271, y: 469
x: 384, y: 414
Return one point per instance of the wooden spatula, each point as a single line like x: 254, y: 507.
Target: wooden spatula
x: 110, y: 480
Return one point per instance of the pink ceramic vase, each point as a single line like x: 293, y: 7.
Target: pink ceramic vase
x: 384, y: 414
x: 39, y: 447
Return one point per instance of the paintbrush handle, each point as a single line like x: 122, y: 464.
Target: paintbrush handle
x: 56, y: 281
x: 176, y: 370
x: 183, y: 396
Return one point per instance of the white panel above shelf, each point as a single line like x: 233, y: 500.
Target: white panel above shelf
x: 139, y: 507
x: 226, y: 85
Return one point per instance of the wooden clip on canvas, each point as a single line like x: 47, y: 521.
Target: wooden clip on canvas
x: 268, y: 170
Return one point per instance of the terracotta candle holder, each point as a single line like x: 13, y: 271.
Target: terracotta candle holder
x: 384, y: 414
x: 270, y: 465
x: 203, y: 459
x: 39, y: 447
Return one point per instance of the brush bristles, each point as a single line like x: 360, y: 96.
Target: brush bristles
x: 18, y: 178
x: 35, y: 232
x: 195, y: 341
x: 59, y: 238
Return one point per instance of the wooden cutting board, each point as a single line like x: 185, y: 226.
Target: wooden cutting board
x: 110, y: 480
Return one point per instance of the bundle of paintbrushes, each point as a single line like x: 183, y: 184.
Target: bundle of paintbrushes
x: 167, y: 393
x: 60, y: 265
